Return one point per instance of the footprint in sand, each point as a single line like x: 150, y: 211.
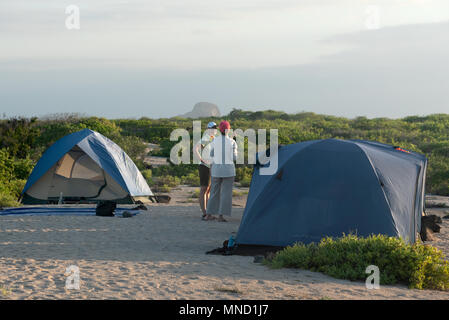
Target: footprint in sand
x: 279, y: 288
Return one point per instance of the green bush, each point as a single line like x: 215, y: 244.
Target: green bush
x: 245, y: 182
x: 417, y: 265
x: 195, y: 194
x: 133, y: 146
x: 147, y: 174
x: 10, y: 192
x: 192, y: 179
x: 168, y: 180
x: 12, y: 174
x: 164, y: 183
x: 175, y: 170
x: 6, y: 165
x: 236, y: 193
x: 22, y: 168
x: 16, y: 187
x: 8, y: 200
x: 164, y: 188
x: 243, y: 173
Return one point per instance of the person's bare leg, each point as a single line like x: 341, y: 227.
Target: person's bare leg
x: 207, y: 194
x: 203, y: 199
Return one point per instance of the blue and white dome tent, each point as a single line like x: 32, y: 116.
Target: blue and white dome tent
x: 85, y: 166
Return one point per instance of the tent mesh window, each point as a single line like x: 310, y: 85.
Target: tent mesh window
x: 77, y: 175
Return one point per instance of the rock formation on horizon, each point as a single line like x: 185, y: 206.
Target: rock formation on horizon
x: 203, y: 110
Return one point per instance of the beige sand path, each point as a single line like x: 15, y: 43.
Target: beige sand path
x: 159, y: 254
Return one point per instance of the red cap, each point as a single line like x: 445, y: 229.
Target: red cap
x: 224, y: 125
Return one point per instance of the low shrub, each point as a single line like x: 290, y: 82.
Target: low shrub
x: 175, y: 170
x: 133, y: 146
x: 192, y: 179
x: 162, y: 188
x: 163, y: 183
x: 10, y: 192
x: 236, y: 193
x: 147, y: 174
x: 436, y: 205
x: 195, y: 194
x: 417, y: 265
x: 8, y: 200
x: 243, y: 173
x: 168, y: 180
x: 245, y: 182
x: 13, y: 171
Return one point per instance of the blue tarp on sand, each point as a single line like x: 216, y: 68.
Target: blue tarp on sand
x: 61, y: 211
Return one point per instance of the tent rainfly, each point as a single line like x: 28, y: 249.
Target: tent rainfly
x: 330, y: 187
x: 85, y: 166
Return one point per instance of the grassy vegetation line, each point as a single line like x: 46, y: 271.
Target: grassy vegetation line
x: 419, y: 266
x: 22, y: 142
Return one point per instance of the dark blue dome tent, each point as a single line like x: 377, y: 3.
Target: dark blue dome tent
x: 85, y: 166
x: 330, y: 187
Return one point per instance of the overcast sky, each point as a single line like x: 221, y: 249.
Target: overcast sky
x: 158, y: 58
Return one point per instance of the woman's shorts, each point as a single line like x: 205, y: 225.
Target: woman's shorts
x: 204, y: 175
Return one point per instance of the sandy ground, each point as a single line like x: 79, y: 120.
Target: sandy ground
x: 158, y: 254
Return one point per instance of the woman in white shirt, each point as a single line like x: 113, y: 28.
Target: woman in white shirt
x: 223, y: 151
x: 204, y: 167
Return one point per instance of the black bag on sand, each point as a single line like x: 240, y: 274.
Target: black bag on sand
x: 160, y: 199
x: 105, y: 208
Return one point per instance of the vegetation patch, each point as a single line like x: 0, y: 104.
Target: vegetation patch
x: 417, y: 265
x: 23, y: 140
x: 195, y: 194
x: 229, y: 290
x: 5, y: 292
x: 191, y: 179
x: 436, y: 205
x: 164, y: 184
x: 236, y: 193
